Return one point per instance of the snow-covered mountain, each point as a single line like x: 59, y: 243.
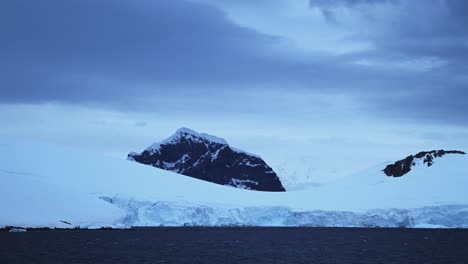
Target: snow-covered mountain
x: 55, y: 186
x: 210, y: 158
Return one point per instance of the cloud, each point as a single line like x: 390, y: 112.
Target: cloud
x: 426, y: 38
x: 141, y: 124
x: 177, y: 55
x: 422, y: 64
x: 410, y: 27
x: 348, y: 3
x: 75, y: 50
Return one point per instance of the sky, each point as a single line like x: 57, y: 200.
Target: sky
x: 318, y: 88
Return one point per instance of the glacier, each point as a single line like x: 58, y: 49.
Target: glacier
x: 47, y: 185
x: 150, y: 213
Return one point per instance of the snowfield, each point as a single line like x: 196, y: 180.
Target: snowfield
x: 45, y: 185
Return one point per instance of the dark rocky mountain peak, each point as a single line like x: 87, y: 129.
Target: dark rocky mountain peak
x: 403, y: 166
x: 210, y: 158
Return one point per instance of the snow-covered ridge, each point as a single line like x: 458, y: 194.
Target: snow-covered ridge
x: 188, y: 133
x: 403, y: 166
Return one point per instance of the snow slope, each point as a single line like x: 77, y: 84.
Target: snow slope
x: 50, y: 185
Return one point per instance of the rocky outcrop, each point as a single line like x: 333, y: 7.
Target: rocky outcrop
x: 403, y: 166
x: 210, y: 158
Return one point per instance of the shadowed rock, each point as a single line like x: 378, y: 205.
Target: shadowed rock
x: 403, y: 166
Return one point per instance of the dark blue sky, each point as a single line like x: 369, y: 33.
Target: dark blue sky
x: 297, y: 64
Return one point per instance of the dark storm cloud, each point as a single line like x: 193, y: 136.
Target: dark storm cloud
x: 417, y: 28
x: 438, y: 31
x: 72, y: 50
x: 420, y: 30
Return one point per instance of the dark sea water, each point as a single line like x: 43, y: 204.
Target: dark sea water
x: 236, y: 245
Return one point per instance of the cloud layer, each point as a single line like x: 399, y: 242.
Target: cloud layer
x: 136, y: 55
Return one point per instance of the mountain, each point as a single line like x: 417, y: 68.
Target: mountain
x: 47, y: 185
x: 404, y: 166
x: 210, y: 158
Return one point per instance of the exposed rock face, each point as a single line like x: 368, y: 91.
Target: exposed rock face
x: 210, y: 158
x: 403, y: 166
